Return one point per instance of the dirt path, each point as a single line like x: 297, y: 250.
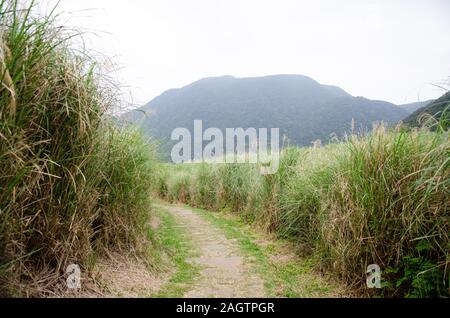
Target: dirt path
x: 224, y: 272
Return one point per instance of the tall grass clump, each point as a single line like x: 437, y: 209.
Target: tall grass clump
x: 176, y: 183
x: 71, y: 184
x: 236, y: 183
x: 127, y: 166
x: 304, y: 181
x: 389, y: 205
x: 206, y: 193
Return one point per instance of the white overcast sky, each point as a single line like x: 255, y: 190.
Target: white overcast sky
x: 391, y: 50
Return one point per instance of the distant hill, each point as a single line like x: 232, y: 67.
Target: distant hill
x: 412, y: 107
x: 435, y: 108
x: 303, y: 109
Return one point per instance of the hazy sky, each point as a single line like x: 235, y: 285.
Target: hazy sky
x: 391, y: 50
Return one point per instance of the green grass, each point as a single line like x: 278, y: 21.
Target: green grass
x: 176, y: 243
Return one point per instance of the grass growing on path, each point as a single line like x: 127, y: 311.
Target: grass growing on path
x: 284, y: 273
x: 176, y: 242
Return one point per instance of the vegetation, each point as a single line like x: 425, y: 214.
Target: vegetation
x: 176, y: 243
x: 72, y: 186
x: 380, y: 198
x: 432, y: 114
x: 412, y: 107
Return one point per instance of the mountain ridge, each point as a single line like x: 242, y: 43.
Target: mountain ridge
x: 301, y: 107
x: 436, y: 109
x: 412, y: 107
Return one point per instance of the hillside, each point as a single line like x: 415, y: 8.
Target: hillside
x: 303, y: 109
x: 412, y: 107
x: 435, y: 109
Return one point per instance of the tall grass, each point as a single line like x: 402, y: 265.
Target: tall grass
x: 380, y: 198
x: 71, y: 184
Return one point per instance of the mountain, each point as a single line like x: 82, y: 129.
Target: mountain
x: 303, y: 109
x: 412, y: 107
x: 435, y: 108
